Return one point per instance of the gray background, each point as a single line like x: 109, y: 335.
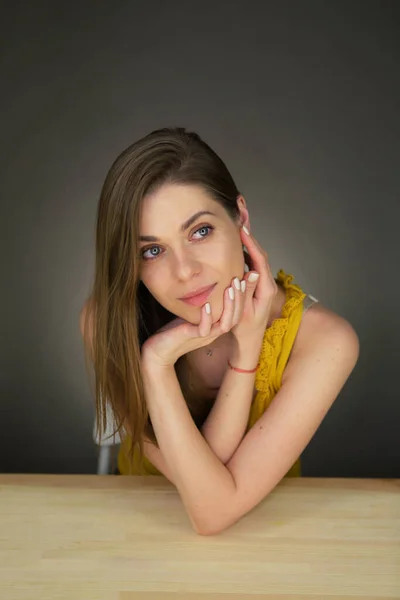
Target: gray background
x: 301, y: 100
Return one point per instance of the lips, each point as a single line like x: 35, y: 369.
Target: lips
x: 200, y: 298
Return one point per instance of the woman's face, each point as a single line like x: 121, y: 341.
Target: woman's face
x: 178, y: 261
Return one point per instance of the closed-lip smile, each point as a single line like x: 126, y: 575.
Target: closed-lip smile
x: 199, y: 296
x: 197, y: 292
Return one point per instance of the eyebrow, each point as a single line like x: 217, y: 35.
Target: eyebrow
x: 184, y: 226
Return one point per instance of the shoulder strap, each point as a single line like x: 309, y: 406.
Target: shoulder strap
x: 309, y: 301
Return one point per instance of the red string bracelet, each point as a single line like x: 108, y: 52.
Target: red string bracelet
x: 243, y: 370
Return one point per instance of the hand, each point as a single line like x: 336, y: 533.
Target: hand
x: 259, y: 294
x: 246, y: 315
x: 178, y: 337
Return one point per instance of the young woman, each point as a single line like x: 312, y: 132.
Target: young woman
x: 216, y: 372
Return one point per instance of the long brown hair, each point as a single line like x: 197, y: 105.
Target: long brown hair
x: 123, y: 312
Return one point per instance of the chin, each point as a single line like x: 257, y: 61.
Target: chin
x: 193, y: 313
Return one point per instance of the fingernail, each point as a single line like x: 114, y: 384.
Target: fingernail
x: 254, y: 276
x: 208, y: 308
x: 237, y: 283
x: 243, y: 285
x: 231, y: 293
x: 245, y: 229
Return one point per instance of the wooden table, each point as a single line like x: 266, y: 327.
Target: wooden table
x: 128, y: 538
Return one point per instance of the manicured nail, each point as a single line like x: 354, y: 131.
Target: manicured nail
x: 237, y: 283
x: 208, y: 308
x: 245, y: 229
x: 231, y: 293
x: 254, y: 276
x: 243, y: 285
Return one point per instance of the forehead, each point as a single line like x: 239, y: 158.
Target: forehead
x: 172, y: 204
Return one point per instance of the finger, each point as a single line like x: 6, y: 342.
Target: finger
x: 225, y: 322
x: 205, y: 320
x: 241, y: 304
x: 251, y: 282
x: 238, y: 301
x: 259, y: 258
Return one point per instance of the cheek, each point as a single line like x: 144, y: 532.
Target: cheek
x: 153, y: 274
x: 236, y: 258
x: 228, y: 261
x: 229, y: 253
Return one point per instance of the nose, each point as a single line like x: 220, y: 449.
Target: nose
x: 185, y: 264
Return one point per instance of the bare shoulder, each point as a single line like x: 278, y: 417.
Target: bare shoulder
x: 320, y: 321
x: 322, y: 329
x: 86, y: 324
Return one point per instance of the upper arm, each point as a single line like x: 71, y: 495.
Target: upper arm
x: 325, y: 357
x: 152, y: 453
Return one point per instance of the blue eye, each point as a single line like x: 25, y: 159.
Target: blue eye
x: 151, y: 248
x: 202, y: 228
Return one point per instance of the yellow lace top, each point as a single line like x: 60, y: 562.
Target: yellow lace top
x: 277, y: 344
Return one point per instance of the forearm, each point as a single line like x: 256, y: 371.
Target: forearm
x: 226, y: 423
x: 204, y: 483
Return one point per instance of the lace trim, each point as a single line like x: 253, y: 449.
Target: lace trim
x: 274, y: 334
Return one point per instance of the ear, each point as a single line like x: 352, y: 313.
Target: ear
x: 243, y: 218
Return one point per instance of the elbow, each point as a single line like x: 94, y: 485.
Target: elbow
x: 206, y: 531
x: 203, y: 532
x: 214, y: 527
x: 201, y: 529
x: 209, y: 531
x: 211, y: 518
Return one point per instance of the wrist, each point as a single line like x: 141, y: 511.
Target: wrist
x: 240, y: 370
x: 151, y: 364
x: 245, y: 356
